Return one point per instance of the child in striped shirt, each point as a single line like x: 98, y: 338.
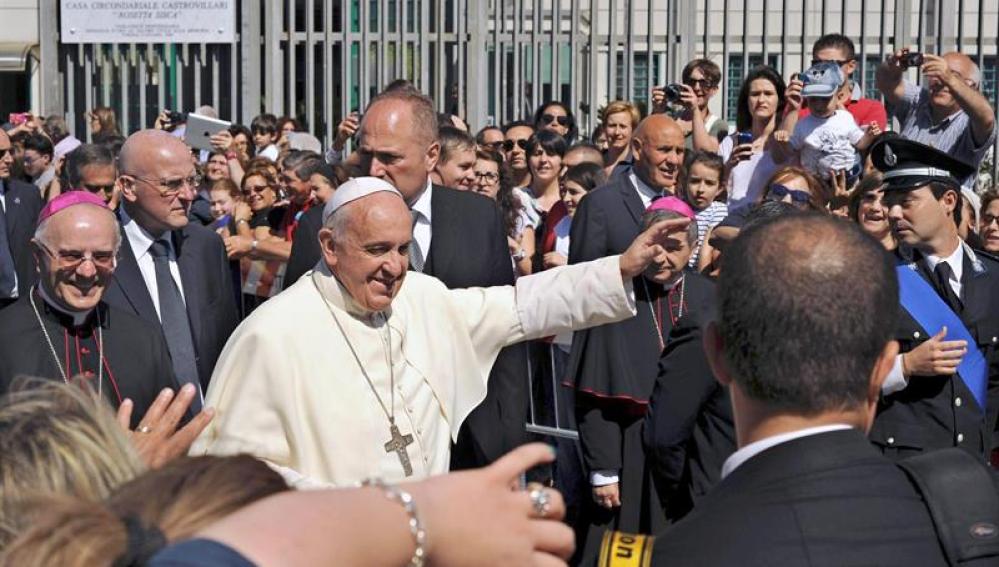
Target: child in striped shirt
x: 701, y: 184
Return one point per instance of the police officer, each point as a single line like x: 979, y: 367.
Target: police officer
x: 942, y: 389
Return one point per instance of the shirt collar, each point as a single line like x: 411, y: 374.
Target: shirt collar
x: 138, y: 238
x: 77, y: 317
x: 739, y: 457
x: 956, y: 261
x: 422, y: 204
x: 643, y: 187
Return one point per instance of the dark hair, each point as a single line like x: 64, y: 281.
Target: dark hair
x: 870, y: 183
x: 506, y: 200
x: 266, y: 123
x: 517, y: 124
x: 285, y: 120
x: 84, y: 155
x: 40, y: 144
x: 336, y: 175
x: 480, y: 136
x: 940, y: 189
x: 988, y: 197
x: 548, y: 141
x: 759, y: 213
x: 707, y: 67
x: 298, y: 160
x: 587, y: 175
x: 835, y: 41
x: 743, y: 118
x: 570, y: 136
x: 453, y: 140
x: 708, y: 159
x: 807, y: 304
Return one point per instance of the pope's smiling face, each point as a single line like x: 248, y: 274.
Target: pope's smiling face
x: 367, y: 248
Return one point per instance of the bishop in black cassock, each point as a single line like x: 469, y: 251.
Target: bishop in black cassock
x: 61, y: 329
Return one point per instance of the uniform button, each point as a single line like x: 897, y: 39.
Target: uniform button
x: 957, y: 402
x: 960, y: 437
x: 915, y: 335
x: 891, y: 440
x: 994, y: 339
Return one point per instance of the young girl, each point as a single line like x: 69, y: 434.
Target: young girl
x: 576, y: 183
x: 701, y: 185
x: 223, y: 195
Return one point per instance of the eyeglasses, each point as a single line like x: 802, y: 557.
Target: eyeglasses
x: 988, y: 219
x: 839, y: 62
x: 549, y: 118
x: 487, y: 176
x: 777, y: 192
x: 4, y: 152
x: 703, y: 83
x: 494, y: 145
x: 98, y: 188
x: 521, y: 143
x: 71, y: 259
x: 171, y: 187
x: 257, y: 189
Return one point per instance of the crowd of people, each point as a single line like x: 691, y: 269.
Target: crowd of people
x: 766, y: 343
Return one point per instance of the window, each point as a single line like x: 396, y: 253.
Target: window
x: 990, y: 78
x: 735, y: 72
x: 871, y: 63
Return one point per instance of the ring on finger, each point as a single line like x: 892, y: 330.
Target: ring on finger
x: 145, y: 429
x: 541, y: 501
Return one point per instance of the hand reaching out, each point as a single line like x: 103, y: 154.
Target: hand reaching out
x: 157, y: 438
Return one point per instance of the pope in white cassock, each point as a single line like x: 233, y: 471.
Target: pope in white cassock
x: 350, y: 374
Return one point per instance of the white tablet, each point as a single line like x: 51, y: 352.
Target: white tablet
x: 200, y: 129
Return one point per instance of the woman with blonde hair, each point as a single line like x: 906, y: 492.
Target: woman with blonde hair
x: 619, y: 120
x: 143, y: 515
x: 103, y: 124
x: 57, y: 439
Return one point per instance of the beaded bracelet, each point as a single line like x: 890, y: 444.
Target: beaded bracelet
x: 396, y: 494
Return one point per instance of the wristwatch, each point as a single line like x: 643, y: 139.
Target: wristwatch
x: 520, y: 255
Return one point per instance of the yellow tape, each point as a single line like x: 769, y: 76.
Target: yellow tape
x: 619, y: 549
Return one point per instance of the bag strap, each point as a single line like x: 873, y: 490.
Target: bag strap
x: 963, y: 502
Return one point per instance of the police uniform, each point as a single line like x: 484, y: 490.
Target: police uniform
x: 934, y: 412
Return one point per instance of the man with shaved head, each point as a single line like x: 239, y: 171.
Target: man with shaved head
x: 172, y: 274
x: 61, y: 328
x: 365, y: 369
x: 460, y: 239
x: 612, y: 389
x: 20, y: 203
x: 949, y: 112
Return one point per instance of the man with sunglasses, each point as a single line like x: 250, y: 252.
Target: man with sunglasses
x: 62, y: 328
x: 701, y: 128
x: 20, y: 203
x: 172, y: 273
x: 91, y: 168
x: 839, y: 49
x: 515, y: 137
x: 948, y: 112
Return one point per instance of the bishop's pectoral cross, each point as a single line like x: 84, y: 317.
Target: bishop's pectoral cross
x: 398, y: 444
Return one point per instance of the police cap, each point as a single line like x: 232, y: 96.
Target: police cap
x: 909, y: 165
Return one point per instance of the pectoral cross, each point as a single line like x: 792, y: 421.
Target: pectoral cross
x: 398, y: 444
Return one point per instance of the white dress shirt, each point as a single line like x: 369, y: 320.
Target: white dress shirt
x: 3, y: 203
x: 421, y: 230
x: 736, y: 459
x: 896, y: 379
x: 140, y: 241
x: 645, y: 193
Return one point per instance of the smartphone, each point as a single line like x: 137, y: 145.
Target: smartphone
x: 743, y: 138
x: 18, y: 118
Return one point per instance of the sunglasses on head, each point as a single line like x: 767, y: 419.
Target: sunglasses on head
x: 778, y: 192
x: 521, y: 143
x: 549, y: 118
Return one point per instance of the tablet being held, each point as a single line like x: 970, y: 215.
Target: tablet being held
x: 200, y: 129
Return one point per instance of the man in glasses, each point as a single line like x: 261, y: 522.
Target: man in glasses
x: 171, y: 273
x: 91, y: 168
x: 837, y: 48
x: 20, y: 203
x: 490, y: 137
x: 948, y: 112
x: 515, y: 136
x: 61, y: 328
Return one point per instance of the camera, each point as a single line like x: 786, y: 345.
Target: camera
x: 175, y: 117
x: 674, y: 92
x: 18, y: 118
x: 912, y: 60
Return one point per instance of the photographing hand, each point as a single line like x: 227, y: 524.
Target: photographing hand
x: 221, y: 141
x: 658, y: 100
x: 793, y: 94
x: 157, y: 438
x: 345, y: 129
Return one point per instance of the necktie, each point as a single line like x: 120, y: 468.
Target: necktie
x: 8, y: 277
x: 416, y: 257
x: 173, y: 318
x: 943, y: 273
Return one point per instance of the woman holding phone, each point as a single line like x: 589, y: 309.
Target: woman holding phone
x: 747, y: 151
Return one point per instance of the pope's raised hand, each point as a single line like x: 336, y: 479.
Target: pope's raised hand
x: 648, y: 245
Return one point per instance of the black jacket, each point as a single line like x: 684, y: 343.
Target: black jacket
x: 826, y: 499
x: 22, y: 202
x: 935, y: 412
x: 305, y: 250
x: 205, y: 275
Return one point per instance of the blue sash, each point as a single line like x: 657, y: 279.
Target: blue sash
x: 931, y: 313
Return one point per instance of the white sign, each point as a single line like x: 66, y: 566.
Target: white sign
x: 148, y: 21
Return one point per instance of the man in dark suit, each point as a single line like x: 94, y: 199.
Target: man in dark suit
x: 804, y: 372
x: 458, y: 237
x: 20, y: 204
x: 944, y: 388
x: 171, y: 272
x: 613, y: 367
